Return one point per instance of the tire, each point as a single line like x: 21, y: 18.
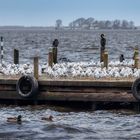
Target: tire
x: 27, y: 86
x: 136, y: 89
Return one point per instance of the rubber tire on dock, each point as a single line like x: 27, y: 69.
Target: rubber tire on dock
x: 136, y: 89
x: 29, y: 83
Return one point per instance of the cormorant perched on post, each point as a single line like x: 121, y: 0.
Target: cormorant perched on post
x: 103, y: 43
x: 55, y: 43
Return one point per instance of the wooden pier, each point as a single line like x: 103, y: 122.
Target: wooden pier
x: 73, y: 90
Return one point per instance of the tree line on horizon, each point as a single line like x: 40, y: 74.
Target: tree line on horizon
x: 91, y: 23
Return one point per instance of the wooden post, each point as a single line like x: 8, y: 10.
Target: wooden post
x: 36, y: 67
x: 101, y: 55
x: 54, y: 50
x: 105, y: 59
x: 50, y: 57
x: 136, y: 62
x: 16, y: 56
x: 136, y: 53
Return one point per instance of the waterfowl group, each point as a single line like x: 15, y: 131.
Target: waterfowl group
x: 19, y: 120
x: 91, y: 69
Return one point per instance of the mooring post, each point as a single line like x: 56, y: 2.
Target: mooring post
x: 105, y: 59
x: 16, y: 56
x: 136, y: 53
x: 50, y: 57
x: 54, y: 50
x: 1, y: 44
x: 101, y: 55
x: 136, y: 62
x: 36, y: 67
x: 136, y: 57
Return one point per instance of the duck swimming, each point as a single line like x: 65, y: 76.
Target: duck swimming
x: 15, y: 119
x: 50, y: 118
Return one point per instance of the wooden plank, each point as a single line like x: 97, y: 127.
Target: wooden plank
x: 85, y: 89
x: 77, y: 83
x: 108, y: 97
x: 9, y: 95
x: 87, y: 83
x: 66, y: 96
x: 7, y: 87
x: 8, y: 82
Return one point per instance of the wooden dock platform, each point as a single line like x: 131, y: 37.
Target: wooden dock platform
x: 72, y: 90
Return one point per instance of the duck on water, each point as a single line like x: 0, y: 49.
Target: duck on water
x: 15, y: 119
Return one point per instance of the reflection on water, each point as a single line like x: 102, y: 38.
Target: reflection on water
x: 67, y: 124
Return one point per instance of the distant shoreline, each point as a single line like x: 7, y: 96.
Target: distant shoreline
x: 54, y: 28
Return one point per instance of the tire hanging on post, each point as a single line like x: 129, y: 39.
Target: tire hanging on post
x: 136, y: 89
x: 27, y: 86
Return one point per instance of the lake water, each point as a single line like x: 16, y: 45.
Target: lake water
x: 73, y: 45
x: 68, y: 123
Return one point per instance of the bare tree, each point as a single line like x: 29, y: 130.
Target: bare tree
x: 125, y: 24
x: 116, y: 24
x: 58, y: 23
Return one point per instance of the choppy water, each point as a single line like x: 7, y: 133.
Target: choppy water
x: 68, y: 124
x: 74, y: 45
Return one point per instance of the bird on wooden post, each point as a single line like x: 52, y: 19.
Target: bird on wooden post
x: 121, y: 58
x: 103, y: 43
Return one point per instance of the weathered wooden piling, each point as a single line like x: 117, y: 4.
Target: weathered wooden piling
x: 101, y: 55
x: 36, y: 75
x: 136, y: 62
x: 105, y: 59
x: 50, y: 57
x: 16, y: 56
x: 136, y: 58
x: 136, y: 53
x: 54, y: 50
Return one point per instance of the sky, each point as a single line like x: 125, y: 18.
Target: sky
x: 46, y: 12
